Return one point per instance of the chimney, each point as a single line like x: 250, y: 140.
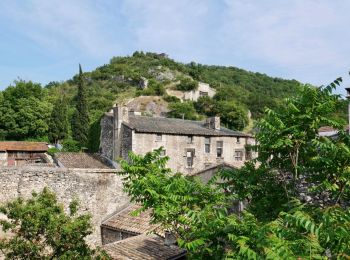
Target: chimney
x: 170, y: 239
x: 213, y: 123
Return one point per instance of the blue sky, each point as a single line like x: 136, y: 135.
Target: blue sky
x: 44, y: 40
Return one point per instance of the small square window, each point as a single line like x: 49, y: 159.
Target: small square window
x: 238, y: 140
x: 238, y: 155
x: 162, y: 153
x: 159, y: 137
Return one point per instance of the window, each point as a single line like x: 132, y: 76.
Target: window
x: 238, y: 155
x: 207, y: 144
x: 238, y: 141
x: 189, y: 157
x: 219, y: 148
x: 190, y: 139
x: 203, y: 93
x: 162, y: 153
x: 158, y: 137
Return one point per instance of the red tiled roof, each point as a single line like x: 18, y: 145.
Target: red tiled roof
x: 124, y: 221
x: 143, y: 247
x: 23, y: 146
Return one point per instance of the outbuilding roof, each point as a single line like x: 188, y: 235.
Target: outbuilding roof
x: 124, y: 221
x: 143, y: 247
x: 23, y: 146
x: 143, y: 124
x: 80, y: 160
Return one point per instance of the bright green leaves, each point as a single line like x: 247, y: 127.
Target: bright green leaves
x: 42, y: 230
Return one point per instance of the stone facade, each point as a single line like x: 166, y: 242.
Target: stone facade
x: 206, y: 150
x: 202, y: 90
x: 177, y: 146
x: 99, y: 191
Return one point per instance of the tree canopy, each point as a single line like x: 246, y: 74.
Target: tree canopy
x: 279, y: 222
x: 40, y: 229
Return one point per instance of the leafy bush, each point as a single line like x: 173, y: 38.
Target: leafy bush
x: 42, y: 230
x: 171, y: 99
x: 71, y: 145
x: 183, y: 110
x: 187, y: 85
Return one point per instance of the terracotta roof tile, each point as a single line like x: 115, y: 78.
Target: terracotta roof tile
x: 124, y: 221
x: 23, y: 146
x: 81, y: 160
x: 143, y: 247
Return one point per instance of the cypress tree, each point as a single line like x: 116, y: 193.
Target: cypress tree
x: 58, y: 124
x: 80, y: 122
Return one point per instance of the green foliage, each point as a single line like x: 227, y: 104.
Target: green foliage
x: 154, y: 88
x: 42, y: 230
x: 232, y: 115
x: 58, y: 124
x: 24, y: 112
x: 70, y: 145
x: 275, y: 224
x: 52, y: 151
x: 80, y: 120
x: 171, y: 99
x: 187, y: 84
x: 183, y: 110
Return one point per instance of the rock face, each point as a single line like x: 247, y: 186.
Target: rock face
x: 99, y: 192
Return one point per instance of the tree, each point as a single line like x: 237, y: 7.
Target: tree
x: 24, y: 112
x: 80, y: 121
x: 232, y: 115
x: 42, y: 230
x: 275, y: 224
x: 187, y: 85
x: 58, y: 125
x: 183, y: 110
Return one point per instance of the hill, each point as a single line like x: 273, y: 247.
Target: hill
x: 26, y: 107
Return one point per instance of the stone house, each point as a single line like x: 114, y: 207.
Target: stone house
x: 14, y: 153
x: 192, y: 146
x: 203, y: 90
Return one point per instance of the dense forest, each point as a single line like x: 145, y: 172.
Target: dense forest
x: 28, y: 110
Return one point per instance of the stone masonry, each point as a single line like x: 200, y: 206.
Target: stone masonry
x: 99, y: 191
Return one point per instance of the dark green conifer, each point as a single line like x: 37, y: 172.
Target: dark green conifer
x: 80, y: 121
x: 58, y: 125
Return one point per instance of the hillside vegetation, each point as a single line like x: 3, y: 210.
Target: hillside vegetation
x: 25, y: 107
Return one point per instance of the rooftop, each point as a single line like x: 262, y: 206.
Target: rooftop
x: 144, y: 124
x: 80, y: 160
x: 124, y: 221
x: 143, y: 247
x: 23, y: 146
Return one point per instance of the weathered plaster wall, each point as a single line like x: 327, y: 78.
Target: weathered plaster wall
x: 176, y: 145
x: 98, y: 191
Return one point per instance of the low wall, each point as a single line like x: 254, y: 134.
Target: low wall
x: 99, y: 191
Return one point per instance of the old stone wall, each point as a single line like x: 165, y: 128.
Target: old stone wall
x: 106, y: 138
x: 98, y: 191
x: 126, y: 141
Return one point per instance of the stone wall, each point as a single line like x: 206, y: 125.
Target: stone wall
x: 126, y: 141
x: 106, y: 138
x: 98, y: 191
